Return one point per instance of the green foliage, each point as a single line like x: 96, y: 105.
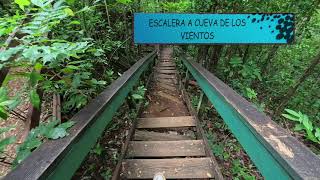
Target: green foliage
x: 107, y: 174
x: 250, y: 93
x: 22, y: 3
x: 227, y: 151
x: 138, y: 94
x: 64, y: 50
x: 97, y: 149
x: 303, y: 123
x: 181, y: 6
x: 6, y: 141
x: 194, y: 101
x: 35, y: 99
x: 239, y: 172
x: 6, y: 104
x: 125, y: 2
x: 51, y: 130
x: 9, y: 23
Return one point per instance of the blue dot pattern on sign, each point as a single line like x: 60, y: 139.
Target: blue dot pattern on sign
x: 284, y: 27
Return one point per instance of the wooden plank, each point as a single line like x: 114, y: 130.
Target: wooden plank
x: 184, y: 168
x: 165, y: 76
x: 157, y: 136
x: 166, y: 68
x: 166, y: 122
x: 165, y: 71
x: 181, y: 148
x: 169, y: 97
x: 166, y: 65
x: 167, y: 81
x: 166, y: 60
x: 167, y: 86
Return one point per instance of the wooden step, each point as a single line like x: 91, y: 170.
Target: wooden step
x: 167, y: 86
x: 166, y: 64
x: 166, y: 68
x: 167, y: 81
x: 165, y: 71
x: 182, y: 148
x: 169, y: 97
x: 165, y: 76
x: 166, y: 60
x: 157, y: 136
x: 166, y: 122
x: 184, y: 168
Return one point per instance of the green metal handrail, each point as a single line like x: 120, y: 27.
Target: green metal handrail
x: 59, y: 159
x: 273, y: 150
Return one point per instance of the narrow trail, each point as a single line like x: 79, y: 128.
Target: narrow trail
x: 165, y: 139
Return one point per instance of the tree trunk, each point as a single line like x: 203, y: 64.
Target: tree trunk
x: 245, y: 54
x: 290, y: 93
x: 202, y: 54
x: 229, y: 53
x: 33, y: 116
x: 215, y: 57
x: 268, y: 60
x: 3, y: 74
x: 265, y: 65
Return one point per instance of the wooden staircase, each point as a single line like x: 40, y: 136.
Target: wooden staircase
x: 167, y: 144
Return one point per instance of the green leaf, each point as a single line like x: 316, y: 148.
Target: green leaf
x: 22, y: 3
x: 70, y: 2
x: 298, y: 127
x: 317, y: 134
x: 5, y: 129
x: 39, y: 3
x: 32, y: 143
x: 21, y: 155
x: 35, y: 99
x: 97, y: 150
x: 5, y: 142
x: 6, y: 103
x: 73, y: 67
x: 69, y: 12
x: 5, y: 55
x: 57, y: 133
x: 14, y: 104
x: 76, y: 81
x: 38, y: 66
x: 307, y: 124
x: 288, y: 116
x: 292, y: 112
x: 137, y: 96
x: 66, y: 125
x: 3, y: 113
x: 75, y: 22
x: 34, y: 78
x: 124, y: 1
x: 311, y: 136
x: 3, y: 94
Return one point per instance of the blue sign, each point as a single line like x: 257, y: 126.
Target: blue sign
x: 158, y: 28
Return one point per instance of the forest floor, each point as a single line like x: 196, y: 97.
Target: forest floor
x: 17, y: 120
x: 17, y: 124
x: 233, y: 161
x: 103, y: 158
